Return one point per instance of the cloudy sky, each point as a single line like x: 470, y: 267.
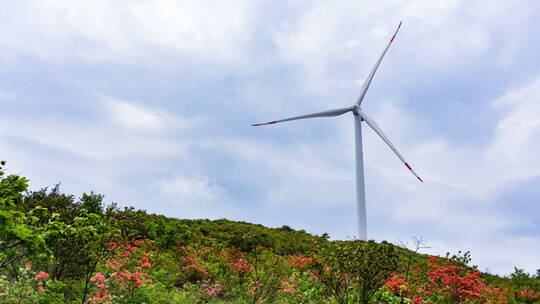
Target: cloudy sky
x: 150, y: 103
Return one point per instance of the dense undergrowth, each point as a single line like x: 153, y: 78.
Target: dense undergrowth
x: 56, y: 248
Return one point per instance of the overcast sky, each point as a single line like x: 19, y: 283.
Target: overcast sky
x: 150, y: 103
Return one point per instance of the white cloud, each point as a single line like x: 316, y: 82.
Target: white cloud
x: 118, y: 134
x: 138, y: 117
x: 498, y: 254
x: 183, y: 190
x: 512, y: 151
x: 334, y: 43
x: 127, y: 31
x: 296, y: 170
x: 485, y: 171
x: 191, y: 196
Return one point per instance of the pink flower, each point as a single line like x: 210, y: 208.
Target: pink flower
x: 42, y: 275
x: 189, y: 260
x: 212, y: 289
x: 145, y: 265
x: 99, y: 297
x: 98, y: 277
x: 28, y: 266
x: 40, y: 287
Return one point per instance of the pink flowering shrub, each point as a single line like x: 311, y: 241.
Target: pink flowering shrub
x: 444, y: 281
x: 236, y: 261
x: 125, y: 271
x: 299, y: 261
x: 31, y: 287
x: 192, y: 265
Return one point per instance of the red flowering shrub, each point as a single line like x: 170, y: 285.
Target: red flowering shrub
x: 445, y: 281
x: 237, y: 262
x: 42, y: 275
x: 299, y: 261
x: 191, y: 266
x: 454, y: 282
x: 144, y: 261
x: 212, y: 289
x: 398, y: 286
x: 125, y: 272
x: 497, y: 295
x: 528, y: 295
x: 289, y: 286
x: 40, y: 278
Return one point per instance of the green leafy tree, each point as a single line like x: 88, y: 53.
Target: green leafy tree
x: 54, y: 201
x: 76, y: 233
x: 90, y: 235
x: 92, y: 202
x: 20, y: 235
x: 354, y: 270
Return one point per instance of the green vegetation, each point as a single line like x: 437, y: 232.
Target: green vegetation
x: 56, y: 248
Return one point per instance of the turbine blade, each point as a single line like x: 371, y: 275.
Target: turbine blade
x: 378, y: 130
x: 329, y: 113
x: 366, y: 84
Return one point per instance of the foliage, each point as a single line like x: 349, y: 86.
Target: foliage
x: 31, y: 287
x: 354, y: 270
x: 57, y: 248
x: 20, y: 232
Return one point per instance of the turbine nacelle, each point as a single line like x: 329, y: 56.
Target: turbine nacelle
x: 356, y: 108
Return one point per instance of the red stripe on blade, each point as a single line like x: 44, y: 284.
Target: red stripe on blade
x: 266, y: 123
x: 394, y: 37
x: 408, y: 167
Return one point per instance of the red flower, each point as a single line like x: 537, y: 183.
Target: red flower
x: 299, y: 261
x: 397, y: 285
x: 42, y: 275
x: 239, y: 263
x: 40, y: 287
x: 98, y: 277
x: 144, y: 261
x: 189, y: 260
x: 454, y: 281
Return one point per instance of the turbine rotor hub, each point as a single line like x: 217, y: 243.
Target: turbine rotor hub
x: 355, y: 109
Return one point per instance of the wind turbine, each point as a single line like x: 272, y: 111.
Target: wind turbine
x: 359, y: 116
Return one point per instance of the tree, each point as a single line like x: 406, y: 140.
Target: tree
x: 354, y: 270
x: 92, y: 202
x: 20, y: 234
x: 90, y: 235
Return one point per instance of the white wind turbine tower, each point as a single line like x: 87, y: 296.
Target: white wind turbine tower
x: 359, y: 116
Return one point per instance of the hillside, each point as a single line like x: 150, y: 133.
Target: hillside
x: 57, y: 248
